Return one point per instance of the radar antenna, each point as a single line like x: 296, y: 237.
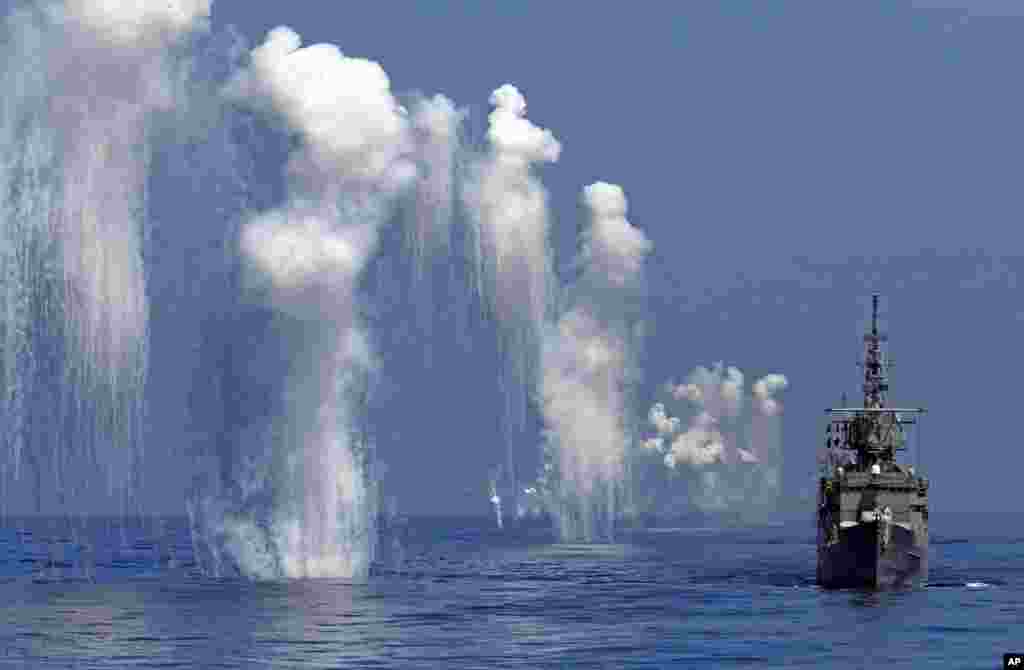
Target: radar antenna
x: 875, y: 382
x: 874, y: 431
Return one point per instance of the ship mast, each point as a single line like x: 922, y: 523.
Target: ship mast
x: 875, y: 431
x: 875, y: 384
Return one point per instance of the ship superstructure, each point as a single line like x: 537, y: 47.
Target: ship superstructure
x: 872, y: 510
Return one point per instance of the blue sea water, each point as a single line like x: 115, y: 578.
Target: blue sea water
x: 457, y: 593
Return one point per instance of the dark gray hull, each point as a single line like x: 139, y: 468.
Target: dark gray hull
x: 874, y: 555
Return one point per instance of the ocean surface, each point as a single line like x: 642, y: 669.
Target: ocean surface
x: 457, y: 593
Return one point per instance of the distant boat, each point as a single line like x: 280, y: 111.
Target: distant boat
x: 872, y: 511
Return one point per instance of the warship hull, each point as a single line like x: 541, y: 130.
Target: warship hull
x: 874, y: 555
x: 872, y: 510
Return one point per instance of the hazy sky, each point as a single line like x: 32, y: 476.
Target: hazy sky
x: 786, y: 159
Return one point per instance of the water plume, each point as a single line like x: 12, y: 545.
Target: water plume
x: 299, y: 500
x: 427, y: 216
x: 729, y: 449
x: 589, y: 371
x: 508, y: 204
x: 435, y: 128
x: 495, y: 500
x: 81, y: 83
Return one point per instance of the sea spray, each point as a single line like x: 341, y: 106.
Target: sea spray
x: 81, y: 83
x: 436, y: 148
x: 426, y: 216
x: 158, y: 284
x: 508, y: 203
x: 590, y: 370
x: 728, y: 451
x: 298, y: 500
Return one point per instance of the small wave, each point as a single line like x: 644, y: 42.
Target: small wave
x: 960, y: 585
x: 61, y: 579
x: 681, y: 530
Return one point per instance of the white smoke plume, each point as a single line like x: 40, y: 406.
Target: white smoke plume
x: 721, y: 436
x: 613, y: 249
x: 305, y: 507
x: 436, y: 124
x: 82, y: 81
x: 700, y: 444
x: 427, y: 216
x: 509, y: 205
x: 583, y: 376
x: 718, y: 390
x: 308, y: 264
x: 588, y: 370
x: 765, y: 390
x: 662, y: 422
x: 139, y: 24
x: 109, y: 67
x: 356, y: 136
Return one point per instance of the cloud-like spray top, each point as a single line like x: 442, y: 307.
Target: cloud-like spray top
x: 140, y: 22
x: 764, y: 389
x: 719, y: 389
x: 662, y: 422
x: 716, y: 395
x: 437, y: 117
x: 306, y: 251
x: 341, y: 106
x: 514, y: 138
x: 613, y: 250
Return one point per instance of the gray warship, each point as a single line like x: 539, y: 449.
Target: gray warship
x: 872, y: 510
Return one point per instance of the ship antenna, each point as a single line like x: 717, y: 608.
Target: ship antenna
x: 875, y: 384
x: 874, y: 315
